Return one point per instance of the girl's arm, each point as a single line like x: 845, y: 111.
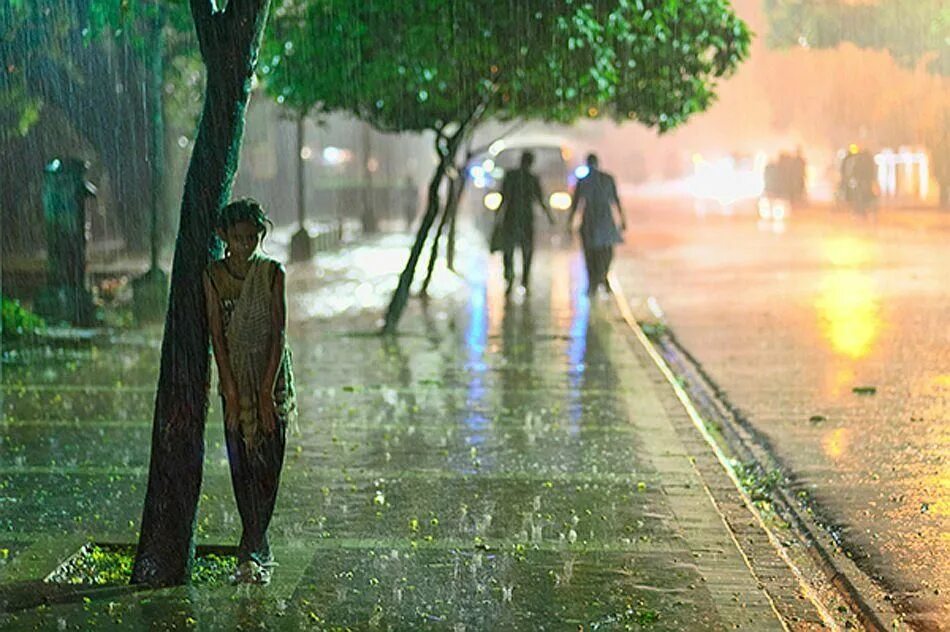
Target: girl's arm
x: 216, y: 324
x: 279, y: 327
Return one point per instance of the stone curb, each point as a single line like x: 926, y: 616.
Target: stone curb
x: 854, y: 587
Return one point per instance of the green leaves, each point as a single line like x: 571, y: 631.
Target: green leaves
x: 910, y: 31
x: 18, y: 321
x: 427, y: 65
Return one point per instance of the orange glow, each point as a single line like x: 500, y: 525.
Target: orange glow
x: 840, y: 380
x: 836, y: 442
x: 849, y: 303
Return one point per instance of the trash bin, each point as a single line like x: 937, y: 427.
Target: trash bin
x: 66, y: 298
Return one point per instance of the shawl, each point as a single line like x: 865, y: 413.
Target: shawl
x: 249, y: 337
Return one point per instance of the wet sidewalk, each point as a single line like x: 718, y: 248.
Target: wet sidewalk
x: 501, y: 465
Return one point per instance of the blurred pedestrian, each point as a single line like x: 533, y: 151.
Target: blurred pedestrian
x: 598, y: 192
x: 864, y: 177
x: 514, y: 227
x: 797, y: 168
x: 245, y: 301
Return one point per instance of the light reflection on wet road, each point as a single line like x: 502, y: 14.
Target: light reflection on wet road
x: 832, y: 335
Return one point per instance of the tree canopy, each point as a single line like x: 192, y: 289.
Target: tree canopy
x: 427, y: 64
x: 911, y: 31
x: 45, y: 44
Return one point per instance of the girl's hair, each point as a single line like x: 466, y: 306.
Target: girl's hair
x: 244, y: 210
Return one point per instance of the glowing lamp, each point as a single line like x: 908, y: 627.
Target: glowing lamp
x: 560, y: 200
x: 492, y: 201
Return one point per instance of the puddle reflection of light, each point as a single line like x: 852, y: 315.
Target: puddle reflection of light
x: 836, y: 442
x: 848, y: 303
x: 577, y: 344
x: 561, y: 291
x: 476, y: 336
x: 839, y: 379
x: 849, y: 309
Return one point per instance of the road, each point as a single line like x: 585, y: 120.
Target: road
x: 831, y: 333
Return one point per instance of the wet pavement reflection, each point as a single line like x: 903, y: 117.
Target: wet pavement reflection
x: 832, y: 336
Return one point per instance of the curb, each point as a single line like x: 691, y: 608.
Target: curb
x: 849, y: 582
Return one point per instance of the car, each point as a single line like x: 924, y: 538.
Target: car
x: 552, y: 164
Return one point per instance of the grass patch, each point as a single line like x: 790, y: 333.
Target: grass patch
x: 757, y: 483
x: 105, y: 565
x: 18, y: 321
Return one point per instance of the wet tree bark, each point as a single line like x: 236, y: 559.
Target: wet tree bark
x: 156, y: 139
x: 229, y: 41
x: 453, y: 216
x: 368, y: 217
x: 434, y: 252
x: 301, y: 171
x: 446, y: 148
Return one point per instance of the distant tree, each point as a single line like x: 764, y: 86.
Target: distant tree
x: 229, y: 41
x: 58, y: 55
x: 446, y: 68
x: 911, y: 31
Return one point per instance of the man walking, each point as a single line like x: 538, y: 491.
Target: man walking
x: 599, y: 233
x: 520, y: 190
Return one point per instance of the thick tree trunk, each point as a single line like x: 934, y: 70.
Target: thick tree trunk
x: 229, y: 43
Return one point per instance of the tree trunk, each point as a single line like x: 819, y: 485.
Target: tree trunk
x: 369, y: 219
x: 453, y: 216
x: 229, y: 41
x: 301, y: 172
x: 401, y: 295
x: 156, y: 154
x: 434, y: 253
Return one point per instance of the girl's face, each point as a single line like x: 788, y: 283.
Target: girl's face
x: 242, y: 239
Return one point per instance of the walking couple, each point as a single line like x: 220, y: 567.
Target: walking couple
x: 514, y: 228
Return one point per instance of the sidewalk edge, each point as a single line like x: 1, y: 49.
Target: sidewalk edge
x: 866, y: 612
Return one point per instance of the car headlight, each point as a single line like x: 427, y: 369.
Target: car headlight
x: 492, y: 201
x: 560, y: 200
